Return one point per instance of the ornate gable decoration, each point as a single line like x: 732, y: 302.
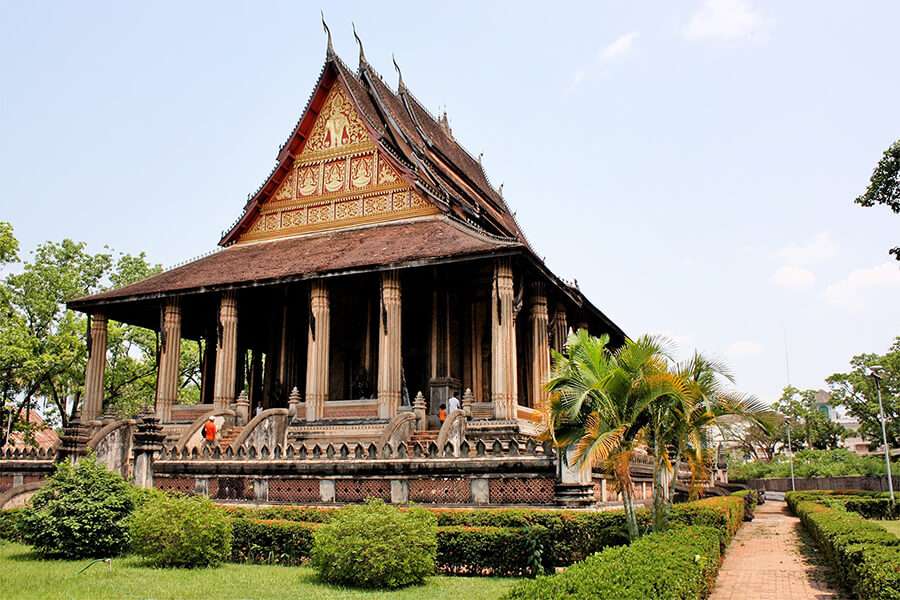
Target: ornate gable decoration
x: 340, y: 179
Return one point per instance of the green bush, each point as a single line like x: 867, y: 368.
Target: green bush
x: 375, y: 545
x: 499, y: 551
x: 271, y: 541
x: 865, y: 556
x: 181, y: 531
x: 679, y: 564
x: 81, y: 512
x: 724, y: 513
x: 10, y: 530
x: 811, y: 463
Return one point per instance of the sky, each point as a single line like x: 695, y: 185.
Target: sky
x: 692, y: 164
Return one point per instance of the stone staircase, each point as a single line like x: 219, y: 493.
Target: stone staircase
x: 228, y: 436
x: 424, y: 437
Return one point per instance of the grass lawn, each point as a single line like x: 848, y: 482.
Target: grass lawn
x: 22, y: 575
x: 892, y: 526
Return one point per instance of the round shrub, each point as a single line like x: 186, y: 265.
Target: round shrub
x: 81, y: 512
x: 374, y: 545
x: 181, y: 531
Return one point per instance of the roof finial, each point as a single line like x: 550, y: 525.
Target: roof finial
x: 362, y: 53
x: 330, y: 50
x: 480, y: 154
x: 500, y: 191
x: 400, y: 84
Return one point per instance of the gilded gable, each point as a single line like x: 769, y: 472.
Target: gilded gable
x: 339, y: 179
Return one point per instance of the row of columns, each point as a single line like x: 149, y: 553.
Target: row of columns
x: 504, y: 393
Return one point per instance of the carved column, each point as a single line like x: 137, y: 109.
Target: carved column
x: 560, y: 327
x: 317, y: 351
x: 504, y: 391
x: 540, y: 346
x: 226, y: 351
x: 96, y: 366
x: 389, y: 336
x: 169, y: 360
x: 148, y: 441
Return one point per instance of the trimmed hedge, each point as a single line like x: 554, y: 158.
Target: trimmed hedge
x: 679, y: 564
x: 865, y: 556
x: 271, y: 541
x: 571, y: 536
x: 499, y: 551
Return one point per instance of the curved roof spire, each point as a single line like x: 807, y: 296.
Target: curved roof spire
x: 400, y: 85
x: 362, y: 53
x: 330, y: 50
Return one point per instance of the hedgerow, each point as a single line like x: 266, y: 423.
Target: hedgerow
x: 751, y: 500
x: 865, y: 556
x: 678, y: 564
x: 499, y: 551
x: 271, y: 541
x: 9, y: 524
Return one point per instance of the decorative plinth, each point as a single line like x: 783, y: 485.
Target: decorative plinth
x: 574, y: 495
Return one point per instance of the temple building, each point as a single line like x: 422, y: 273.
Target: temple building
x: 375, y: 262
x: 373, y: 275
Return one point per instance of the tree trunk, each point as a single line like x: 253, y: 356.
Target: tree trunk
x: 630, y: 514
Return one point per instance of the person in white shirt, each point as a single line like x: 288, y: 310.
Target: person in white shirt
x: 452, y: 404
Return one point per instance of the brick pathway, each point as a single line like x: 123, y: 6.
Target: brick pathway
x: 765, y: 561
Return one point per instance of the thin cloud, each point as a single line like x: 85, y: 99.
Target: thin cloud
x: 743, y: 348
x: 821, y: 247
x: 726, y: 20
x: 616, y: 50
x: 793, y: 277
x: 853, y: 291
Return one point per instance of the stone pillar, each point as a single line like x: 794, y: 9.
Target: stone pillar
x: 169, y: 360
x: 226, y: 351
x: 420, y: 410
x: 317, y: 350
x: 96, y: 366
x: 504, y: 391
x: 389, y: 336
x: 540, y: 346
x: 148, y: 441
x: 560, y: 327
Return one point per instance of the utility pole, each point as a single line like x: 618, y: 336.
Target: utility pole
x: 875, y: 373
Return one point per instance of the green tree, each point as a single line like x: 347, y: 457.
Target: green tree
x: 856, y: 391
x: 42, y: 344
x: 884, y: 185
x: 810, y: 426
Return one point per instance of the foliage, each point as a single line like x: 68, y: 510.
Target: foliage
x: 271, y: 541
x: 856, y: 391
x: 810, y: 427
x: 677, y: 564
x: 571, y: 536
x: 812, y: 463
x: 10, y: 530
x: 80, y: 512
x: 23, y: 577
x: 599, y: 401
x: 43, y: 352
x: 374, y: 545
x: 502, y: 551
x: 884, y: 185
x: 864, y: 555
x: 181, y: 531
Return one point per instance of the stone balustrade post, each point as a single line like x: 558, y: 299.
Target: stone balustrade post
x: 148, y: 441
x: 420, y: 410
x: 294, y: 404
x: 242, y: 409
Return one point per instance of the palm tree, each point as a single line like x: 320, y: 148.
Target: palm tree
x: 679, y: 424
x: 599, y: 403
